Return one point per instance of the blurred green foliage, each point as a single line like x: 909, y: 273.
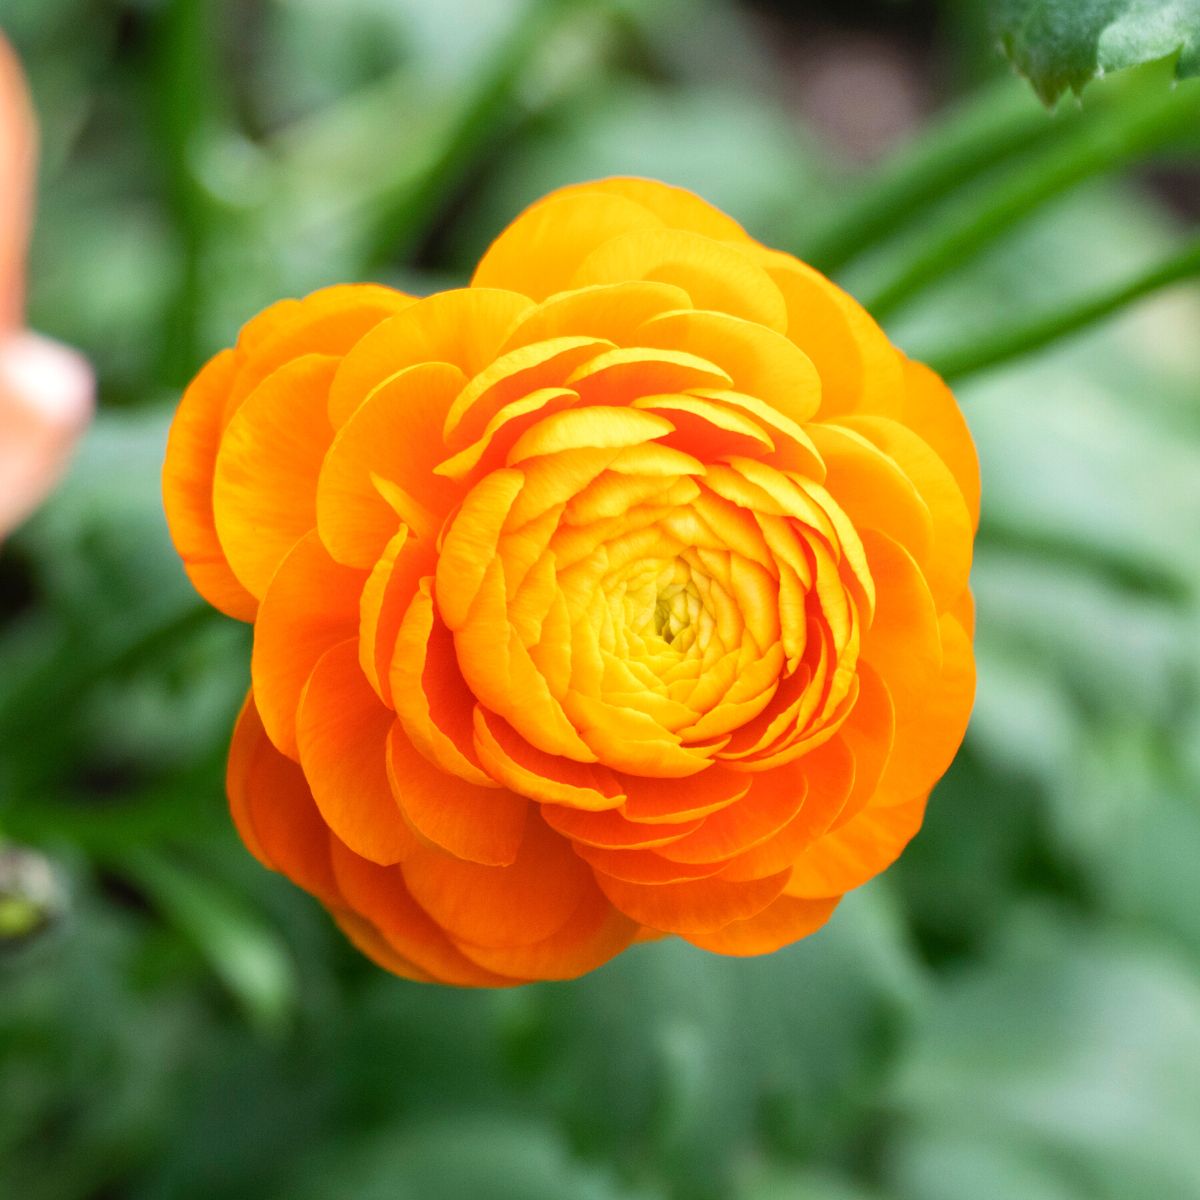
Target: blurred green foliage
x: 1013, y: 1011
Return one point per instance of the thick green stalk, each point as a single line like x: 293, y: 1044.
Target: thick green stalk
x: 1024, y: 338
x: 988, y: 128
x: 187, y: 105
x: 409, y: 213
x: 1101, y: 143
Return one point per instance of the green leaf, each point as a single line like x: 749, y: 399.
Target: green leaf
x: 1060, y: 44
x: 246, y: 953
x: 1065, y: 1064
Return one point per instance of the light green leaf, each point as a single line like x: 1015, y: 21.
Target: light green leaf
x: 1068, y: 1058
x: 247, y: 954
x: 1060, y: 44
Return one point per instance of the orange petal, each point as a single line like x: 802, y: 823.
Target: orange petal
x: 705, y: 429
x: 264, y: 491
x: 643, y: 866
x: 860, y: 370
x: 394, y: 435
x: 342, y: 731
x: 948, y: 563
x: 856, y: 852
x: 608, y: 310
x: 594, y: 934
x: 612, y: 831
x: 692, y: 907
x: 931, y: 411
x: 386, y: 596
x: 872, y: 489
x: 931, y: 723
x: 188, y: 470
x: 903, y: 642
x: 717, y: 275
x: 626, y: 373
x: 593, y: 427
x: 827, y: 775
x: 869, y: 733
x: 482, y: 825
x: 512, y: 377
x: 464, y: 327
x: 547, y: 778
x: 518, y: 905
x: 655, y: 801
x: 754, y: 819
x: 429, y: 693
x: 328, y: 321
x: 760, y: 361
x: 310, y: 606
x: 274, y: 810
x: 368, y: 941
x: 785, y: 920
x: 380, y: 896
x: 539, y: 252
x: 469, y: 545
x: 676, y: 207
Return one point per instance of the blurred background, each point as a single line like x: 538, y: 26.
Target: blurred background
x: 1011, y: 1013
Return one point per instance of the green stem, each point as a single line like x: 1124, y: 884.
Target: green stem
x: 486, y: 112
x: 186, y: 105
x: 1104, y: 141
x: 985, y: 130
x: 1024, y: 338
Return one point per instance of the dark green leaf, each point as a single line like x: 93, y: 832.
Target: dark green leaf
x: 1061, y: 44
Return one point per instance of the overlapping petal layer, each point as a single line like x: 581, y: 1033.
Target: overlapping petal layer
x: 621, y: 593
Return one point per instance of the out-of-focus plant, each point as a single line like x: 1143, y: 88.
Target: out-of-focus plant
x: 45, y: 389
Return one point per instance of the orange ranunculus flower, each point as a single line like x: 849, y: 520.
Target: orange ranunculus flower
x: 45, y: 388
x: 621, y: 593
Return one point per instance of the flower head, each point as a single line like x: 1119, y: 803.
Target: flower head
x: 45, y: 388
x: 619, y: 594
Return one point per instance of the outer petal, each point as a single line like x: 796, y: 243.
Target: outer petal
x: 931, y: 410
x: 265, y: 487
x: 717, y: 275
x: 857, y: 851
x: 379, y: 469
x: 326, y: 322
x: 594, y: 934
x: 481, y: 824
x: 785, y: 920
x: 274, y: 812
x: 380, y: 896
x: 676, y: 207
x: 502, y: 907
x: 192, y: 448
x: 342, y: 731
x: 311, y: 605
x: 695, y: 907
x: 540, y: 251
x: 463, y: 327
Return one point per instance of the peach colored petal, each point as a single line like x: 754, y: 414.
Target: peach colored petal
x: 45, y: 403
